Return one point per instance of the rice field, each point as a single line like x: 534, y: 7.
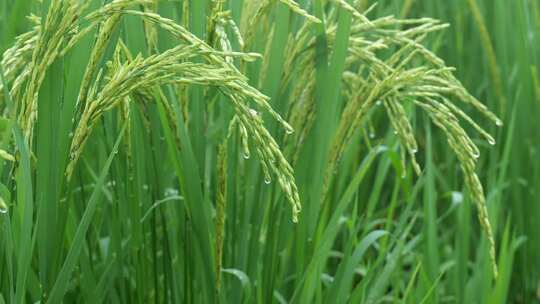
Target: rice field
x: 269, y: 151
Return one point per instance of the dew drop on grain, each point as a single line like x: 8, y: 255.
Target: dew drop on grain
x: 3, y: 206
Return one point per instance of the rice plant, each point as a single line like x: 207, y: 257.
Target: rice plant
x: 223, y: 151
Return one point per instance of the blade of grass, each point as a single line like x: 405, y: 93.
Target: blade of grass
x: 64, y: 276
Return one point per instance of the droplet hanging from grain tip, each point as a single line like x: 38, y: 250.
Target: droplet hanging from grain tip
x: 3, y: 207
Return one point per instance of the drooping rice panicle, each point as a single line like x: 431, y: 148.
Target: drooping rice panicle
x: 411, y: 72
x: 54, y: 33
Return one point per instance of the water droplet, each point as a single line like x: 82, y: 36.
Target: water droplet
x: 395, y: 132
x: 289, y: 131
x: 378, y: 103
x: 475, y: 155
x: 3, y: 207
x: 371, y: 135
x: 267, y: 180
x: 70, y: 134
x: 253, y: 112
x: 246, y: 155
x: 414, y: 150
x: 457, y: 197
x: 491, y: 141
x: 499, y: 123
x: 115, y: 151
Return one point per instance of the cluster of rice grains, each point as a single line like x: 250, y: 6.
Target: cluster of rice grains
x: 408, y: 74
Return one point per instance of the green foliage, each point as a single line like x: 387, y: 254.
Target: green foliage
x: 206, y: 151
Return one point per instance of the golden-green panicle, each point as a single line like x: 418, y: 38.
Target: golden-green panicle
x: 15, y: 59
x: 221, y: 205
x: 467, y: 155
x: 403, y: 129
x: 346, y: 6
x: 174, y: 67
x: 216, y: 12
x: 223, y: 39
x: 122, y: 54
x: 104, y: 34
x: 123, y: 80
x: 269, y: 153
x: 215, y: 58
x: 412, y: 74
x: 298, y: 10
x: 256, y: 12
x: 58, y: 30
